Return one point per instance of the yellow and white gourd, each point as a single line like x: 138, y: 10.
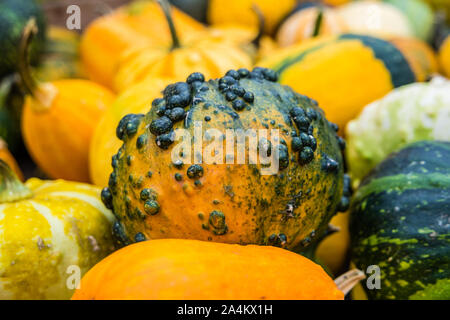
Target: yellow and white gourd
x: 49, y: 232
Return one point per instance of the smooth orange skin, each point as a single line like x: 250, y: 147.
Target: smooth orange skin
x: 58, y: 137
x: 139, y: 23
x: 191, y: 269
x: 6, y: 156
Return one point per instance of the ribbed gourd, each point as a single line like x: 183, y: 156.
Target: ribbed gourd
x: 419, y: 111
x: 50, y: 231
x: 194, y: 269
x: 137, y: 23
x: 59, y: 118
x: 153, y: 177
x: 344, y: 73
x: 209, y: 55
x: 400, y: 223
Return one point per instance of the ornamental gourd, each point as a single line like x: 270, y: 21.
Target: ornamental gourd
x: 400, y: 222
x: 443, y: 47
x: 420, y: 15
x: 375, y: 18
x: 328, y: 69
x: 8, y: 158
x: 105, y: 143
x: 14, y: 15
x: 419, y: 111
x: 199, y: 270
x: 242, y: 12
x: 58, y: 120
x: 208, y: 55
x: 138, y: 23
x: 60, y: 58
x: 308, y: 23
x: 49, y: 229
x: 153, y: 178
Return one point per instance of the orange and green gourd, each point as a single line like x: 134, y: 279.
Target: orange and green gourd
x: 190, y: 269
x: 209, y: 55
x: 58, y: 120
x: 104, y: 144
x: 138, y: 23
x: 329, y: 70
x: 49, y: 230
x: 291, y: 208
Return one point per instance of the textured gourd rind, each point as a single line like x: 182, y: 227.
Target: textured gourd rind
x: 399, y: 222
x: 228, y: 203
x: 63, y: 224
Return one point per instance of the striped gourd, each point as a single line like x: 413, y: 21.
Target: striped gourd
x: 344, y: 73
x: 45, y: 228
x: 400, y: 222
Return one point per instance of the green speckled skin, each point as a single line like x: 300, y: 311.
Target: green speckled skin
x: 228, y: 202
x: 400, y: 221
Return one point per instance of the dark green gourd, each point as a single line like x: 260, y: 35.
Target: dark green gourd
x: 400, y: 221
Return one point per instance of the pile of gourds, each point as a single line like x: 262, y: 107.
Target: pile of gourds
x: 355, y: 90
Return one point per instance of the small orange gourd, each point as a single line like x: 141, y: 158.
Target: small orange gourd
x: 191, y: 269
x: 58, y: 120
x: 138, y: 23
x: 208, y: 55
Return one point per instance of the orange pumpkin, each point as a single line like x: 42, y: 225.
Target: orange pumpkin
x: 6, y: 156
x: 208, y: 55
x: 306, y: 22
x: 139, y: 23
x: 190, y: 269
x: 59, y: 118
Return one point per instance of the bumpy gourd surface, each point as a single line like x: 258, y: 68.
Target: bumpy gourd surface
x: 63, y: 224
x: 154, y: 197
x: 400, y: 222
x: 188, y: 269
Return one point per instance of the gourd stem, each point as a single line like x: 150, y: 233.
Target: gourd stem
x: 29, y: 31
x: 318, y: 23
x: 11, y: 188
x: 167, y: 12
x: 261, y: 24
x: 348, y: 280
